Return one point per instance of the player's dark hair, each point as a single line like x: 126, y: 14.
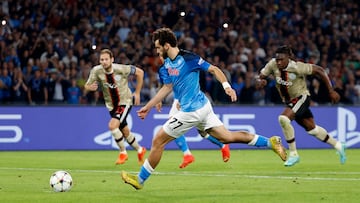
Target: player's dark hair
x: 164, y: 35
x: 107, y: 51
x: 285, y: 50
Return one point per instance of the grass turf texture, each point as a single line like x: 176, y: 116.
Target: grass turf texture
x: 249, y: 176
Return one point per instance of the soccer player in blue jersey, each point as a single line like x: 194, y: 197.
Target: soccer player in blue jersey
x: 188, y: 157
x: 180, y: 74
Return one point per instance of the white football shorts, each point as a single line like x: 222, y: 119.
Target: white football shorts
x: 181, y: 122
x: 174, y: 108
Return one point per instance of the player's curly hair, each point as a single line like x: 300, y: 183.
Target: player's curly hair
x: 164, y: 35
x: 285, y: 50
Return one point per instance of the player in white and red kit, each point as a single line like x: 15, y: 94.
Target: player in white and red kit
x: 291, y: 83
x: 112, y: 78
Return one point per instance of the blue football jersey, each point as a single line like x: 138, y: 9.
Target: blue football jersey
x: 183, y: 74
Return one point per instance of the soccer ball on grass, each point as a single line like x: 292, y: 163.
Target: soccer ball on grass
x: 61, y: 181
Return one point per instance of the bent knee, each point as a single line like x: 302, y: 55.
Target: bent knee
x: 112, y: 127
x: 284, y: 120
x: 113, y: 124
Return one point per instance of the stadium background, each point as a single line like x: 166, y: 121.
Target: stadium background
x: 61, y: 40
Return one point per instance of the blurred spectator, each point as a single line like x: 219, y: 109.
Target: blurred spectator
x: 73, y: 93
x: 5, y: 85
x: 69, y: 58
x: 340, y: 88
x: 56, y: 87
x: 124, y: 29
x: 238, y: 85
x: 318, y: 92
x: 19, y: 87
x: 37, y: 92
x: 49, y: 55
x: 247, y: 92
x: 13, y: 57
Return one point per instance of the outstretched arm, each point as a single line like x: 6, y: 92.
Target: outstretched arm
x: 160, y: 95
x: 220, y: 76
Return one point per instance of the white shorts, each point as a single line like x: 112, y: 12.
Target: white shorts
x: 174, y: 108
x: 181, y: 122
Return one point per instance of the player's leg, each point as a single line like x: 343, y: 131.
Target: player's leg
x: 131, y: 140
x: 289, y: 134
x: 179, y: 124
x: 157, y: 148
x: 188, y: 158
x: 226, y: 136
x: 119, y: 139
x: 225, y: 149
x: 215, y: 127
x: 181, y: 141
x: 297, y: 109
x: 321, y: 134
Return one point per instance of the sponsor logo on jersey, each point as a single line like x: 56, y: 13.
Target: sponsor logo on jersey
x: 111, y: 86
x: 173, y: 71
x: 292, y: 76
x: 280, y: 81
x: 117, y: 77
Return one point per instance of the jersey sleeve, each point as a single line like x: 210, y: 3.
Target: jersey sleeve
x: 204, y: 65
x: 123, y: 69
x: 196, y: 62
x: 267, y: 70
x: 163, y: 76
x: 92, y: 76
x: 304, y: 68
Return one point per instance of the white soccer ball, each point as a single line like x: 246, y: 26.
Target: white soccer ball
x: 61, y: 181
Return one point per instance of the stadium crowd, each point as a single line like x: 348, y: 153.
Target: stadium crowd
x: 47, y: 47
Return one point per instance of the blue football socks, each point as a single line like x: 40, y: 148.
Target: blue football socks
x: 145, y: 172
x: 260, y: 141
x: 214, y: 140
x: 181, y: 143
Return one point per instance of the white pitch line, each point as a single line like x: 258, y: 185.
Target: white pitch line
x: 265, y: 177
x: 277, y: 175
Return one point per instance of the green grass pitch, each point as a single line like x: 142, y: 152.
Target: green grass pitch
x: 249, y: 176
